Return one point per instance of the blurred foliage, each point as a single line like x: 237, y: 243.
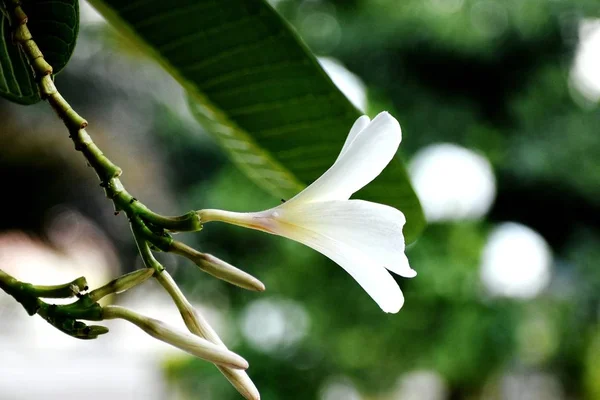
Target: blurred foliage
x: 490, y: 75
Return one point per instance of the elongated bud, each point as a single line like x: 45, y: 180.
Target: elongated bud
x: 218, y: 268
x: 187, y: 342
x: 241, y: 382
x: 122, y: 283
x: 229, y: 273
x: 199, y: 326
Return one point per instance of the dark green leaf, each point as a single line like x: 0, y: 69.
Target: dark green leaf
x: 16, y: 79
x: 54, y: 25
x: 255, y: 86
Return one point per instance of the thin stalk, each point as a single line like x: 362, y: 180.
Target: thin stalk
x: 200, y: 327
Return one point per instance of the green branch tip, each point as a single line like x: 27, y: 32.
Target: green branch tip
x: 64, y: 291
x: 63, y: 317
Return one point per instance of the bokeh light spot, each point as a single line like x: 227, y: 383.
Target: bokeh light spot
x: 453, y: 183
x: 339, y: 388
x: 489, y: 18
x: 421, y: 385
x: 585, y: 72
x: 274, y: 324
x: 516, y: 262
x: 322, y: 30
x: 348, y: 83
x: 446, y: 6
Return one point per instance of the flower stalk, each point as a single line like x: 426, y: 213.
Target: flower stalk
x: 200, y: 327
x: 195, y: 323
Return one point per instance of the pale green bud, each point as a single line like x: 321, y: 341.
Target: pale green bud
x: 187, y: 342
x: 218, y: 268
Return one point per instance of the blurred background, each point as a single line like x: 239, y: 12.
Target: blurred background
x: 499, y: 101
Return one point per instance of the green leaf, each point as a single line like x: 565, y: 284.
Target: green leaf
x: 256, y: 87
x: 16, y: 79
x: 54, y: 25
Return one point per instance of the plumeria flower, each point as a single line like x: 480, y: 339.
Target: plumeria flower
x: 363, y: 237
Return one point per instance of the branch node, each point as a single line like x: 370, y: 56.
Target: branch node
x: 19, y: 15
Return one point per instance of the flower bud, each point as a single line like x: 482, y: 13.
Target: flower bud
x: 199, y: 326
x: 122, y: 283
x: 218, y: 268
x: 187, y: 342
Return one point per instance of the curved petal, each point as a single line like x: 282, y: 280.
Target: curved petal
x: 359, y: 125
x: 360, y: 161
x: 373, y: 278
x: 314, y: 225
x: 370, y: 228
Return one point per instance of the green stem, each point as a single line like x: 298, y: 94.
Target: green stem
x: 16, y: 288
x: 159, y: 239
x: 189, y: 222
x: 107, y: 171
x: 145, y: 252
x: 200, y: 327
x: 63, y: 317
x: 21, y: 291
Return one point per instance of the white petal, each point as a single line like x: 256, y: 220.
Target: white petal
x: 310, y: 224
x: 373, y: 278
x: 360, y: 124
x: 360, y: 161
x: 370, y: 228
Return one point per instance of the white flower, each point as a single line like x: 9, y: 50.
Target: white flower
x: 364, y: 238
